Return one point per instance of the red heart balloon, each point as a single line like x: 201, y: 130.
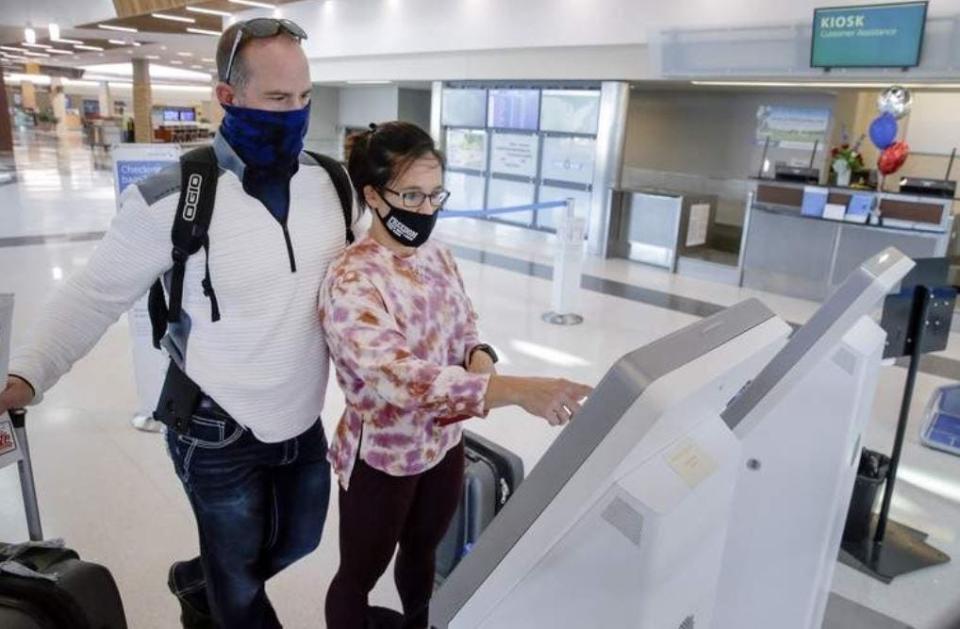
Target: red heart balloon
x: 893, y: 157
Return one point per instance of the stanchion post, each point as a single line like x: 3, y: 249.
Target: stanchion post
x: 567, y: 269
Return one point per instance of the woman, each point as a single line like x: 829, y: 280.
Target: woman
x: 403, y: 337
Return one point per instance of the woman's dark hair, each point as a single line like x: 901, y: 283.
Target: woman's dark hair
x: 384, y: 152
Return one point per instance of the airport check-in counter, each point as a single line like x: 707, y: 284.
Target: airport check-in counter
x: 787, y: 253
x: 657, y: 226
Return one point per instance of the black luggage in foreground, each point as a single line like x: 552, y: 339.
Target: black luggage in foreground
x: 42, y: 584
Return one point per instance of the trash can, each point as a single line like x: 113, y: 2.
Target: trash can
x: 871, y: 475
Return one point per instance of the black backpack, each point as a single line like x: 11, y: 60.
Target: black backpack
x: 199, y: 172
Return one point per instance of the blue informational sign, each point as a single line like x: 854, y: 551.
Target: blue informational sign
x: 129, y: 172
x: 514, y: 109
x: 877, y: 36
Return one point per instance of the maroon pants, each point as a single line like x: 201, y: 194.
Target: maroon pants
x: 378, y: 513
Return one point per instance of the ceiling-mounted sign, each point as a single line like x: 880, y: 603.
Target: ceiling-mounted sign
x: 877, y: 36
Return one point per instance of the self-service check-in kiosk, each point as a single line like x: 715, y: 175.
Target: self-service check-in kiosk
x: 659, y: 504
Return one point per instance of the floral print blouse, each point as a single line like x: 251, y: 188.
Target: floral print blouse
x: 399, y: 329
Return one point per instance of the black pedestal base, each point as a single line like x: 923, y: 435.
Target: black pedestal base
x: 903, y: 550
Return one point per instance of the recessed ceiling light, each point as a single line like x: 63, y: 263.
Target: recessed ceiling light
x: 136, y: 44
x: 13, y: 49
x: 203, y: 31
x: 208, y: 60
x: 118, y: 42
x: 197, y: 67
x: 175, y: 62
x: 29, y: 45
x: 174, y: 18
x: 60, y: 52
x: 152, y: 57
x: 251, y: 3
x: 82, y: 47
x: 122, y: 29
x: 185, y: 54
x: 37, y: 54
x: 208, y: 11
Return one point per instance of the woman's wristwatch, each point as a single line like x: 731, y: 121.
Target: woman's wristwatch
x: 486, y: 349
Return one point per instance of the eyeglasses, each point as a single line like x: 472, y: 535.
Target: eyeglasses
x: 258, y: 28
x: 415, y: 198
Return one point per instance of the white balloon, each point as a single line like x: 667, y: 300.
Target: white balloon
x: 895, y: 100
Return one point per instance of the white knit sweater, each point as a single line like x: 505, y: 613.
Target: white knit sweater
x: 265, y: 361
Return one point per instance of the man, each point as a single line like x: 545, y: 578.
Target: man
x: 252, y: 454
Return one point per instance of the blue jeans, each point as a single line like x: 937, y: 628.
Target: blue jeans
x: 259, y: 507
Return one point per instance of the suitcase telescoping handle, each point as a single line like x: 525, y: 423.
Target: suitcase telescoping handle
x: 31, y: 508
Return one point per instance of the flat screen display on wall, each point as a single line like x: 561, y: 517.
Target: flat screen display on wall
x: 570, y: 111
x: 869, y: 36
x: 464, y: 107
x: 514, y: 109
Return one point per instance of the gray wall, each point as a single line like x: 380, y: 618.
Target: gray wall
x: 703, y: 141
x: 361, y: 105
x: 333, y: 109
x: 324, y: 132
x: 414, y: 106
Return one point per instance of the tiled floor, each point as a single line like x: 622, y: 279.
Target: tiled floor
x: 110, y: 491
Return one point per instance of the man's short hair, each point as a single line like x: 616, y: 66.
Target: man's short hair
x: 239, y: 72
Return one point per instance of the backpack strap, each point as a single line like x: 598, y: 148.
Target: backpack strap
x: 341, y: 181
x: 199, y: 171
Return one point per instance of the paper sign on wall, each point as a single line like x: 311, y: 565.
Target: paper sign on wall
x: 698, y: 224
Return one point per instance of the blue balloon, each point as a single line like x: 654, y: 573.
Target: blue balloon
x: 883, y: 130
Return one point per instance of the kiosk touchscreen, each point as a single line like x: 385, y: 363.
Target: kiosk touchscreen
x: 629, y: 518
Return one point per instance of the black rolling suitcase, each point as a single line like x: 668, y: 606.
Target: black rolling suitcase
x: 42, y: 584
x: 492, y: 475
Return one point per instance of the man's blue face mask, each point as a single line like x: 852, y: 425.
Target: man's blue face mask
x: 266, y: 139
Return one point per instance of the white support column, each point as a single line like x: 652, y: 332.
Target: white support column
x: 106, y: 100
x: 436, y: 113
x: 611, y: 136
x: 58, y: 100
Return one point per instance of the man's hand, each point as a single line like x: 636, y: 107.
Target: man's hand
x: 17, y: 394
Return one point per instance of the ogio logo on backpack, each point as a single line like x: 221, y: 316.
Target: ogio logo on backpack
x: 193, y: 197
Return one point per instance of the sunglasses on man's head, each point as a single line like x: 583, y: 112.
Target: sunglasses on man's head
x: 259, y: 28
